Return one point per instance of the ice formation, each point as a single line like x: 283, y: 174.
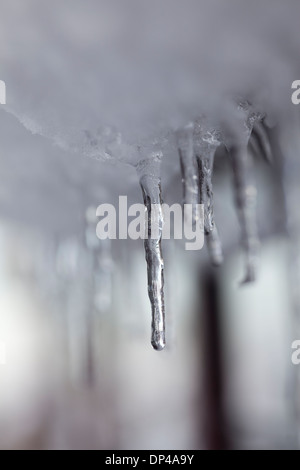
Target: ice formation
x: 151, y: 188
x: 143, y: 83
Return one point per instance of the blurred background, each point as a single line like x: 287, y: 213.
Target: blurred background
x: 77, y: 370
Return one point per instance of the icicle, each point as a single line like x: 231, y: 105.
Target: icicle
x: 245, y: 197
x: 206, y: 142
x: 151, y: 188
x: 188, y: 166
x: 244, y: 187
x: 260, y: 140
x: 253, y: 145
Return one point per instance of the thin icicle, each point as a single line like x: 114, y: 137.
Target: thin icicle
x: 205, y: 164
x: 253, y: 145
x: 244, y: 186
x: 151, y: 188
x: 245, y: 197
x: 188, y: 166
x: 206, y: 143
x: 260, y: 139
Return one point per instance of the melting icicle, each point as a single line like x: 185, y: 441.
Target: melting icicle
x: 188, y: 166
x: 245, y: 192
x: 245, y: 197
x: 206, y: 143
x: 151, y: 188
x: 261, y: 142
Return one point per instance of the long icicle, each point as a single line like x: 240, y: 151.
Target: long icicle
x: 206, y: 141
x: 205, y: 166
x: 243, y: 183
x: 151, y: 188
x: 188, y: 166
x: 260, y: 137
x: 245, y: 198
